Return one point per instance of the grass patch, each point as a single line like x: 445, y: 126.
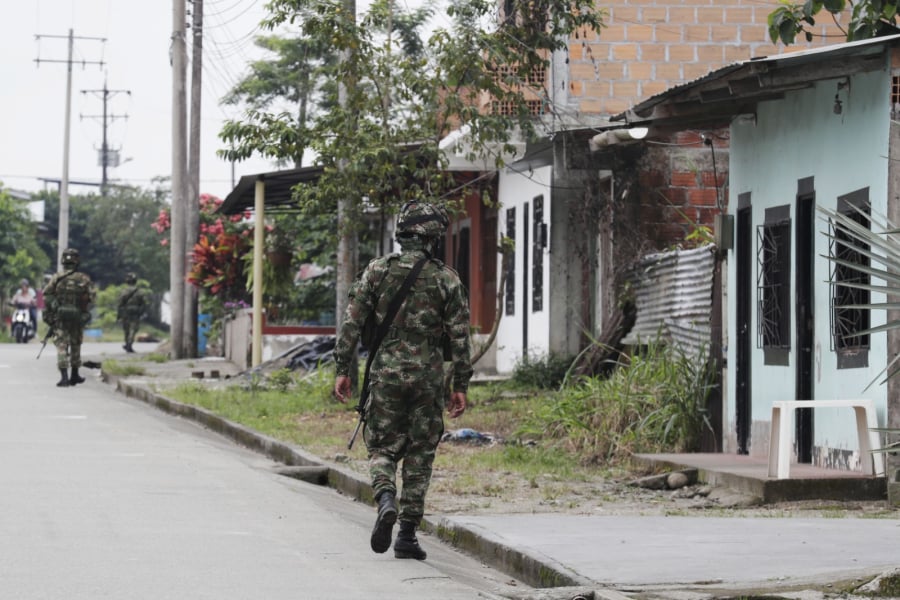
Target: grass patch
x: 122, y: 368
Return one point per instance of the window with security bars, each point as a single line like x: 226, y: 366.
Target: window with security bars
x: 849, y: 284
x: 535, y: 108
x: 773, y: 283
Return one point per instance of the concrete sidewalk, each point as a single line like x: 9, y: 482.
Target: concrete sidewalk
x: 676, y: 557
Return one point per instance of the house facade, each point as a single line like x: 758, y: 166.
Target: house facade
x: 808, y: 131
x: 604, y: 207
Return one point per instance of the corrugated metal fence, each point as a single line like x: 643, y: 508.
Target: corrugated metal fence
x: 673, y: 295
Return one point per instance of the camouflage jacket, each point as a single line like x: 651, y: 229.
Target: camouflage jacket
x: 68, y: 298
x: 132, y: 303
x: 437, y: 304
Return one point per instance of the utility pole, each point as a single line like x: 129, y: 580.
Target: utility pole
x: 106, y: 156
x: 178, y: 255
x: 63, y: 237
x: 193, y: 204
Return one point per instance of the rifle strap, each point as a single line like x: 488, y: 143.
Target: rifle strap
x: 385, y: 325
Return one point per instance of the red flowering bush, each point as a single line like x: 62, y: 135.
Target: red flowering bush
x: 216, y: 259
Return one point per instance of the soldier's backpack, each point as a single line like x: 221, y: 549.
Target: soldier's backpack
x: 134, y: 304
x: 72, y: 295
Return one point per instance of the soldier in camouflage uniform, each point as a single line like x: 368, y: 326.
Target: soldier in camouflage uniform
x: 404, y: 416
x: 68, y: 298
x: 130, y: 309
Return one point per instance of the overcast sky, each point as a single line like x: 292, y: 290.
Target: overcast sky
x: 136, y: 57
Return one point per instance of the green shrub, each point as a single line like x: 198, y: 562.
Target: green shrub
x: 654, y: 401
x: 544, y: 372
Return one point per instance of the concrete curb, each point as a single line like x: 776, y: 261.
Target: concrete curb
x: 536, y: 571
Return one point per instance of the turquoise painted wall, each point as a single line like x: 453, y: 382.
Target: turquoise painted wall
x: 798, y: 137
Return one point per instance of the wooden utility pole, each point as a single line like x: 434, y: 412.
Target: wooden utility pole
x: 192, y: 216
x: 63, y: 237
x: 179, y: 178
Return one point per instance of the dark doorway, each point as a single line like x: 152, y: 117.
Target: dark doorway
x: 526, y: 223
x: 805, y: 232
x: 744, y: 291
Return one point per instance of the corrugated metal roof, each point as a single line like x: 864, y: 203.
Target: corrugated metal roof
x: 673, y: 297
x: 759, y: 67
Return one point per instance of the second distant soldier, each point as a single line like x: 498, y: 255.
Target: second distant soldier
x: 69, y: 297
x: 132, y: 306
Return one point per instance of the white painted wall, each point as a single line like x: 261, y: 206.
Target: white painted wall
x: 516, y: 189
x: 791, y: 139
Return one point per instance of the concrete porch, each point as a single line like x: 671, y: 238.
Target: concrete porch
x: 749, y: 474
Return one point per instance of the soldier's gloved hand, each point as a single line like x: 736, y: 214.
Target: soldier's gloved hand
x: 342, y: 388
x: 457, y: 404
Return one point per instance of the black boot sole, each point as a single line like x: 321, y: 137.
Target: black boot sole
x: 384, y: 525
x: 414, y: 552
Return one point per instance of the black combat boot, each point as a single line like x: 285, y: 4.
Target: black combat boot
x: 75, y: 379
x: 406, y: 545
x: 384, y: 524
x: 63, y: 379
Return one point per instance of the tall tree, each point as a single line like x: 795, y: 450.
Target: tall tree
x: 380, y: 144
x: 281, y: 93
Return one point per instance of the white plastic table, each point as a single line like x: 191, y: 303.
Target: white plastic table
x: 782, y: 433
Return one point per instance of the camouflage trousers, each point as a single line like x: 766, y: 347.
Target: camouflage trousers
x: 68, y: 347
x: 130, y: 327
x: 404, y: 423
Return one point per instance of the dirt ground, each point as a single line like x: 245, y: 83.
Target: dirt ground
x: 455, y: 492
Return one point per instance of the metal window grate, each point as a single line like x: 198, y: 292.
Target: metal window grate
x: 848, y: 283
x: 510, y: 303
x: 773, y: 284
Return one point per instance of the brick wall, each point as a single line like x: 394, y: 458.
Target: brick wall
x: 677, y: 186
x: 649, y: 46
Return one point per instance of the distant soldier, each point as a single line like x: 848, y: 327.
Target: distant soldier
x: 131, y: 309
x: 404, y: 420
x: 68, y: 298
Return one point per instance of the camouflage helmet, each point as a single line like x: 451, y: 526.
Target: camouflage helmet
x: 422, y: 219
x: 70, y: 257
x: 130, y: 278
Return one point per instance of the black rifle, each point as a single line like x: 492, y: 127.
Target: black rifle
x: 50, y: 333
x: 363, y: 405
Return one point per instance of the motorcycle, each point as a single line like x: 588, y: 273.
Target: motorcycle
x: 21, y: 326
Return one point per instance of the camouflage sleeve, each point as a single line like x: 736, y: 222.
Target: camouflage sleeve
x: 49, y: 293
x: 363, y: 297
x: 457, y: 326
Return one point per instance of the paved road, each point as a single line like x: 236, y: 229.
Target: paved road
x: 105, y: 497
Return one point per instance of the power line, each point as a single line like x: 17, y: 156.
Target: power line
x: 107, y: 157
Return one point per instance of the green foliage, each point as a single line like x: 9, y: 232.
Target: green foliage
x: 653, y: 402
x: 107, y: 304
x: 544, y: 372
x: 20, y: 254
x: 868, y: 19
x: 281, y: 379
x: 392, y: 96
x: 122, y: 368
x: 114, y: 236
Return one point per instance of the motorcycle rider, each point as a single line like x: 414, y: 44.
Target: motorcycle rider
x: 26, y: 296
